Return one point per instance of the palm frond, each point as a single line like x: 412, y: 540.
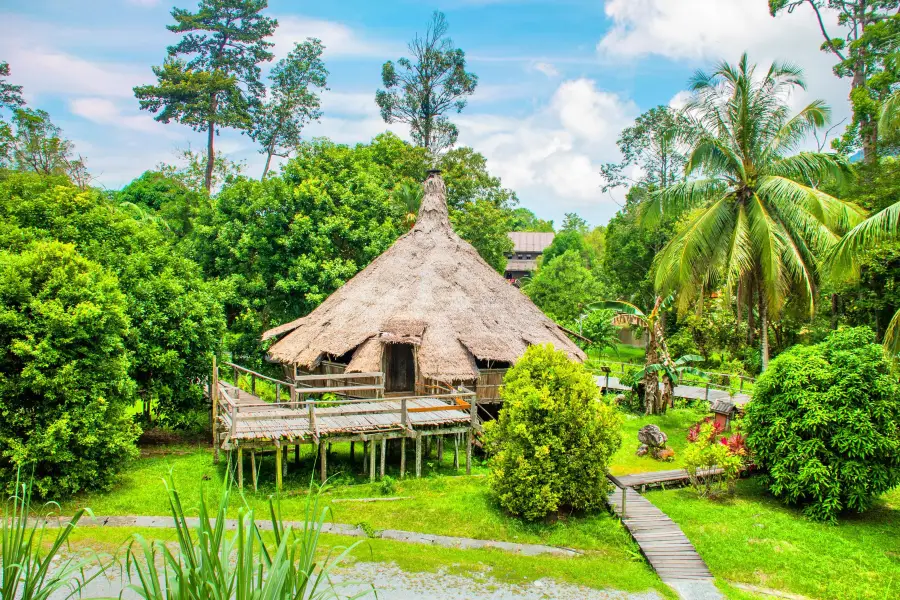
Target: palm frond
x: 889, y: 119
x: 677, y: 198
x: 623, y: 319
x: 892, y: 335
x: 688, y: 358
x: 617, y: 305
x: 880, y: 227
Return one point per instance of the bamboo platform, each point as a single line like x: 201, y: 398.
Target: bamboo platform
x: 661, y: 540
x: 323, y: 409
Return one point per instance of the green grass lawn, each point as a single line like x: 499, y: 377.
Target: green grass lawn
x: 621, y: 353
x: 440, y: 503
x: 674, y: 423
x: 753, y: 538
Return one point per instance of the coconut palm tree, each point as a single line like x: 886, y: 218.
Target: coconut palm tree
x: 880, y: 227
x: 755, y: 220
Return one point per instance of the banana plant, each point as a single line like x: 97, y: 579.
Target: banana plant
x: 672, y: 372
x: 628, y: 314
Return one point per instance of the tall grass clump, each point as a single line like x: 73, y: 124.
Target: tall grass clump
x: 28, y: 569
x: 277, y: 561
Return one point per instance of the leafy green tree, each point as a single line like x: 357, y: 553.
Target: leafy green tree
x: 484, y: 226
x: 629, y: 250
x: 408, y: 196
x: 284, y: 244
x: 166, y: 197
x: 211, y: 78
x: 176, y: 317
x: 522, y: 219
x: 467, y: 178
x: 291, y: 103
x: 867, y: 38
x: 427, y: 87
x: 596, y: 325
x: 572, y: 222
x: 562, y: 287
x: 35, y: 144
x: 64, y: 385
x: 10, y: 95
x: 190, y: 169
x: 825, y: 425
x: 653, y: 146
x: 567, y: 240
x: 757, y: 221
x: 551, y: 446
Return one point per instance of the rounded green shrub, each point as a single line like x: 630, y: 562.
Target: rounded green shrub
x: 64, y: 385
x: 825, y: 424
x: 551, y: 445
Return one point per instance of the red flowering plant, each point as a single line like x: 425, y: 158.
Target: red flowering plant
x: 714, y: 430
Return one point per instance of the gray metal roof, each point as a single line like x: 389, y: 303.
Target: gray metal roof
x: 530, y: 241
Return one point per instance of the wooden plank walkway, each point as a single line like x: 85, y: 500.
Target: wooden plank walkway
x: 656, y: 478
x: 663, y: 543
x: 689, y: 392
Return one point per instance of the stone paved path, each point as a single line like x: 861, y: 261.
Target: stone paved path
x: 411, y: 537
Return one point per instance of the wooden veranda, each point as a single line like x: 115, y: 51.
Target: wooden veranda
x: 322, y: 409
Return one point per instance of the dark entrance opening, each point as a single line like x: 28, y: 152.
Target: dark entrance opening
x: 400, y: 371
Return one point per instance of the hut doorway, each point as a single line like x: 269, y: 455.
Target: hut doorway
x: 400, y: 369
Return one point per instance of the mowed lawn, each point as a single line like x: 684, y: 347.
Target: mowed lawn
x: 753, y: 538
x: 674, y: 423
x: 440, y: 503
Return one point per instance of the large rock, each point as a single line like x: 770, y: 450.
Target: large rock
x: 653, y: 437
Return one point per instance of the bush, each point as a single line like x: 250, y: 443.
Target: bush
x: 550, y: 447
x: 825, y: 423
x: 705, y: 453
x: 64, y: 383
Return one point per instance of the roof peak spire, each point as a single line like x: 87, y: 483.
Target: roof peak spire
x: 433, y: 213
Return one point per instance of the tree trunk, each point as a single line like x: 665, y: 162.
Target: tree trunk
x: 737, y: 305
x: 763, y: 329
x: 668, y: 394
x: 266, y: 168
x: 210, y: 144
x: 651, y: 380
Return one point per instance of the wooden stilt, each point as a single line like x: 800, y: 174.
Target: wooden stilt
x: 352, y: 452
x: 383, y: 456
x: 456, y: 451
x: 418, y: 455
x: 278, y: 474
x: 402, y: 457
x: 284, y: 460
x: 372, y: 460
x: 214, y: 397
x: 253, y: 468
x: 365, y: 458
x: 240, y: 467
x: 440, y: 450
x: 469, y: 452
x: 297, y: 454
x: 323, y: 460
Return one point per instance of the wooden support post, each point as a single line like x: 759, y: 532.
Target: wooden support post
x: 623, y: 514
x: 284, y: 461
x: 707, y: 391
x: 352, y: 452
x: 253, y: 384
x: 403, y: 412
x: 742, y: 385
x: 253, y: 468
x: 383, y: 456
x: 365, y: 457
x: 440, y: 449
x: 456, y: 451
x: 372, y: 460
x: 278, y: 466
x: 418, y: 455
x: 240, y: 467
x: 473, y: 408
x: 297, y: 454
x: 323, y: 461
x: 469, y: 452
x: 402, y: 457
x: 214, y: 395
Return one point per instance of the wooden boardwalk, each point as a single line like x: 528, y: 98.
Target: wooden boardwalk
x: 667, y: 549
x: 658, y: 478
x: 689, y: 392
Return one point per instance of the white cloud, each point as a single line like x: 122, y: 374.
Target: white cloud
x: 106, y: 112
x: 339, y: 39
x: 680, y: 100
x: 144, y: 3
x: 701, y: 31
x: 552, y: 157
x: 546, y: 68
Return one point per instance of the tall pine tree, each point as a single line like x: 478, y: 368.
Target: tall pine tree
x: 211, y: 78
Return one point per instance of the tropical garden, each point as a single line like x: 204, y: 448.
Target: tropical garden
x: 745, y: 259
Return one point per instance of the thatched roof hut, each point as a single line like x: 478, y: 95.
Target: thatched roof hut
x: 430, y: 301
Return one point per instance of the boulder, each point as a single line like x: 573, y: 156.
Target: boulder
x: 653, y: 437
x: 642, y: 450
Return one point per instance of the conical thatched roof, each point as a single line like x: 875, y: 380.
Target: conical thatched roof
x: 431, y: 289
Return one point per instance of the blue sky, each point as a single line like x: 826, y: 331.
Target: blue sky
x: 558, y: 79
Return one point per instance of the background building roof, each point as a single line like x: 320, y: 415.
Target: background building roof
x: 530, y: 241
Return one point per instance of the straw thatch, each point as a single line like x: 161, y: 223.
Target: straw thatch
x: 430, y: 289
